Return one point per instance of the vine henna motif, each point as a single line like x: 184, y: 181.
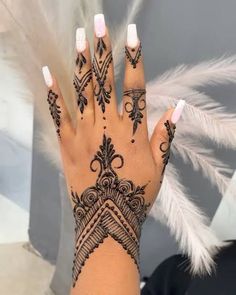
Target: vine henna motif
x: 101, y: 91
x: 112, y: 207
x: 134, y: 109
x: 133, y: 55
x: 55, y: 110
x: 165, y: 146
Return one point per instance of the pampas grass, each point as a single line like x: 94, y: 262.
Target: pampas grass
x: 186, y: 222
x: 48, y: 38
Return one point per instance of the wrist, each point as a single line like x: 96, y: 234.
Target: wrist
x: 109, y: 268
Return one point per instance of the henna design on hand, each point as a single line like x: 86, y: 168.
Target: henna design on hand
x: 112, y: 207
x: 133, y: 55
x: 165, y: 146
x: 101, y: 47
x: 54, y: 110
x: 103, y: 93
x: 80, y: 61
x: 134, y: 109
x: 80, y: 85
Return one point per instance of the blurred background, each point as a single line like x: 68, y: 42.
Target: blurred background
x: 35, y: 217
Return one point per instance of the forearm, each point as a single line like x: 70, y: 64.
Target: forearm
x: 108, y: 271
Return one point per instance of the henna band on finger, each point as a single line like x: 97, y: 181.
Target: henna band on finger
x: 134, y: 108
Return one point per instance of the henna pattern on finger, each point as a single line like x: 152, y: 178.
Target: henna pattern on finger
x: 113, y: 207
x: 133, y: 55
x: 80, y: 61
x: 55, y: 110
x: 101, y: 47
x: 101, y: 91
x: 80, y: 86
x: 134, y: 108
x: 165, y: 146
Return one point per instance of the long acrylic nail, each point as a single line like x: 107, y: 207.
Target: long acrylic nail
x: 132, y: 36
x: 80, y: 39
x: 47, y: 76
x: 99, y: 25
x: 178, y: 111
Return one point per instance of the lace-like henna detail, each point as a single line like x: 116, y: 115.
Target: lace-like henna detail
x: 54, y: 110
x: 102, y: 92
x: 134, y: 108
x: 80, y: 85
x: 165, y: 146
x: 112, y: 207
x: 133, y: 56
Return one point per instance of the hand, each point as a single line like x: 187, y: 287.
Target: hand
x: 113, y: 171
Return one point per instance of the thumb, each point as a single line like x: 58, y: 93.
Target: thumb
x: 163, y: 135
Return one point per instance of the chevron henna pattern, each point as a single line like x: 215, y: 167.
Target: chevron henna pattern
x: 101, y: 91
x: 165, y: 146
x: 135, y: 108
x: 133, y: 55
x: 80, y: 85
x: 112, y: 207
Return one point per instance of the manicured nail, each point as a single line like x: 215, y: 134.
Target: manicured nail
x: 80, y: 39
x: 47, y: 76
x: 132, y: 36
x: 178, y: 111
x: 99, y: 25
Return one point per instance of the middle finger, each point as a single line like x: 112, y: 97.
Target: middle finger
x: 103, y: 73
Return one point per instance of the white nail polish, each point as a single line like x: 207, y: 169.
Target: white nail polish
x: 99, y: 25
x: 47, y: 76
x: 80, y: 39
x: 178, y: 111
x: 132, y: 36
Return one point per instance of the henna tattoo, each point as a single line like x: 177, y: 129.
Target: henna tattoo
x: 80, y: 61
x: 133, y: 108
x: 55, y: 110
x: 103, y: 93
x: 165, y: 146
x: 112, y: 207
x: 80, y: 85
x: 133, y: 56
x: 101, y: 47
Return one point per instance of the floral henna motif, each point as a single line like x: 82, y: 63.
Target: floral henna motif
x: 165, y: 146
x: 112, y: 207
x: 133, y: 55
x: 134, y: 109
x: 54, y: 110
x: 101, y: 91
x: 80, y: 85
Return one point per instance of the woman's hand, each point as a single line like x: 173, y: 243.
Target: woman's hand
x: 113, y: 171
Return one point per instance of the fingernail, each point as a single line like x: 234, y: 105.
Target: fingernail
x: 99, y: 25
x: 47, y: 76
x: 132, y: 36
x: 80, y: 39
x: 178, y: 111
